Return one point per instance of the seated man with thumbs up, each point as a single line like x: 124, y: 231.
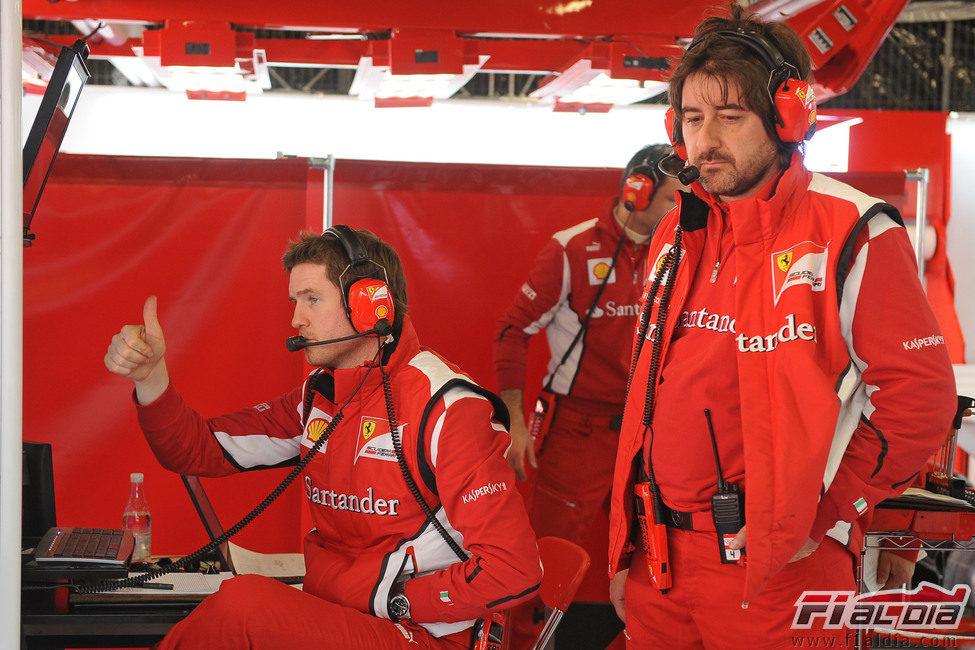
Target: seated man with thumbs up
x: 418, y: 533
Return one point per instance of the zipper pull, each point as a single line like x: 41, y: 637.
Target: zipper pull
x: 714, y: 273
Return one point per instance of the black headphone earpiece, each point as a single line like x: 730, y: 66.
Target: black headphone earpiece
x: 363, y: 282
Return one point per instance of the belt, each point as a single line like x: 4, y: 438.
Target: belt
x: 694, y: 521
x: 699, y: 521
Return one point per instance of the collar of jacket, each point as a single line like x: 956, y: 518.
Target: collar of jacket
x: 348, y: 379
x: 754, y: 219
x: 611, y: 228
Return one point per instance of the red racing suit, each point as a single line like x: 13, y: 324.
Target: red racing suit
x: 556, y: 297
x: 844, y: 381
x: 369, y: 529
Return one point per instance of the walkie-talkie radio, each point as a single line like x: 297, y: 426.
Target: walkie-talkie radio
x: 540, y: 420
x: 654, y: 534
x: 727, y: 507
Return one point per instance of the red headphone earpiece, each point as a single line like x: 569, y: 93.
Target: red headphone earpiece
x: 796, y: 105
x: 369, y: 301
x: 637, y: 191
x: 671, y: 126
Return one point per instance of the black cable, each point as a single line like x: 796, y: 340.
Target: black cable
x: 135, y: 581
x: 401, y: 460
x: 656, y: 349
x: 93, y: 32
x: 722, y: 486
x: 589, y: 313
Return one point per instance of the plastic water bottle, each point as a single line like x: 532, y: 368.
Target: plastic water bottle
x: 137, y: 519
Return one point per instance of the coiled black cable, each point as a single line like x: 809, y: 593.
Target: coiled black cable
x: 401, y: 460
x: 135, y: 581
x: 657, y: 347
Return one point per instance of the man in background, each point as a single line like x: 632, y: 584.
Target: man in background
x: 583, y: 291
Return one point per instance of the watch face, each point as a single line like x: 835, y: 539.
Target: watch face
x: 399, y: 606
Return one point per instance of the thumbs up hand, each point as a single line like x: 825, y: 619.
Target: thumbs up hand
x: 137, y: 352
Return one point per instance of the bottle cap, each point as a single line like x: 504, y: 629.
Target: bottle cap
x: 136, y: 477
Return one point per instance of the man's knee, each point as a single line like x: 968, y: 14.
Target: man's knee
x: 240, y: 596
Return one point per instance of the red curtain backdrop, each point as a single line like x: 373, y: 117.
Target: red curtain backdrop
x: 467, y: 235
x: 206, y: 237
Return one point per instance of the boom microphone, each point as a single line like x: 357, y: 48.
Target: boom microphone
x: 383, y: 328
x: 673, y: 166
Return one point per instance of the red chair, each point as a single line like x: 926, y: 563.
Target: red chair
x: 564, y: 564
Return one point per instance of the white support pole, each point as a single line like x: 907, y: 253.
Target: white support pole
x: 11, y: 320
x: 921, y: 177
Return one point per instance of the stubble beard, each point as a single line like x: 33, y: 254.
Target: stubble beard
x: 736, y: 178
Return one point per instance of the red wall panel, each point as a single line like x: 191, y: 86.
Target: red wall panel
x: 206, y: 237
x: 467, y: 235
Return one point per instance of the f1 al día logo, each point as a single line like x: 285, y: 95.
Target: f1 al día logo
x: 927, y: 607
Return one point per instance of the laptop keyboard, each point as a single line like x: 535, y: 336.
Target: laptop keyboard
x: 85, y: 546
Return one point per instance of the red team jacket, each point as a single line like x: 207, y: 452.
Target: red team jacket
x: 845, y: 384
x: 556, y: 297
x: 369, y: 529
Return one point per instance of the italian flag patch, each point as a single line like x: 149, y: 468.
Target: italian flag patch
x: 861, y: 505
x: 445, y: 598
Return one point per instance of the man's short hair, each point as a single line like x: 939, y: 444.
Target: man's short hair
x: 647, y: 159
x: 726, y: 60
x: 328, y: 251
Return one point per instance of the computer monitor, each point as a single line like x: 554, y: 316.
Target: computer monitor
x: 44, y: 140
x: 38, y: 492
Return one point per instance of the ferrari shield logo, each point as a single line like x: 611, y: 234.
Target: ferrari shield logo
x: 368, y: 428
x: 784, y: 261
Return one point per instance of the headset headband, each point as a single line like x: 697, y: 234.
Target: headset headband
x: 793, y: 105
x: 358, y: 257
x: 350, y: 242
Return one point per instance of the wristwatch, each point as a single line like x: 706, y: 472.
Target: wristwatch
x: 398, y: 606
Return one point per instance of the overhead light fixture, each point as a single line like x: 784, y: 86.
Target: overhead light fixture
x: 601, y: 76
x: 415, y: 66
x: 378, y: 83
x: 206, y: 60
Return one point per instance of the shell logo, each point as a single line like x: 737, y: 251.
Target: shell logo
x: 381, y: 311
x: 600, y: 270
x: 660, y: 264
x: 316, y: 428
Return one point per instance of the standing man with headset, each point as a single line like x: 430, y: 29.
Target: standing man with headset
x: 419, y: 533
x: 786, y: 354
x: 583, y: 291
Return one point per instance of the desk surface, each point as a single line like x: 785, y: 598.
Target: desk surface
x: 88, y: 629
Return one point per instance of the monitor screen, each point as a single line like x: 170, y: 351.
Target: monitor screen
x: 42, y: 144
